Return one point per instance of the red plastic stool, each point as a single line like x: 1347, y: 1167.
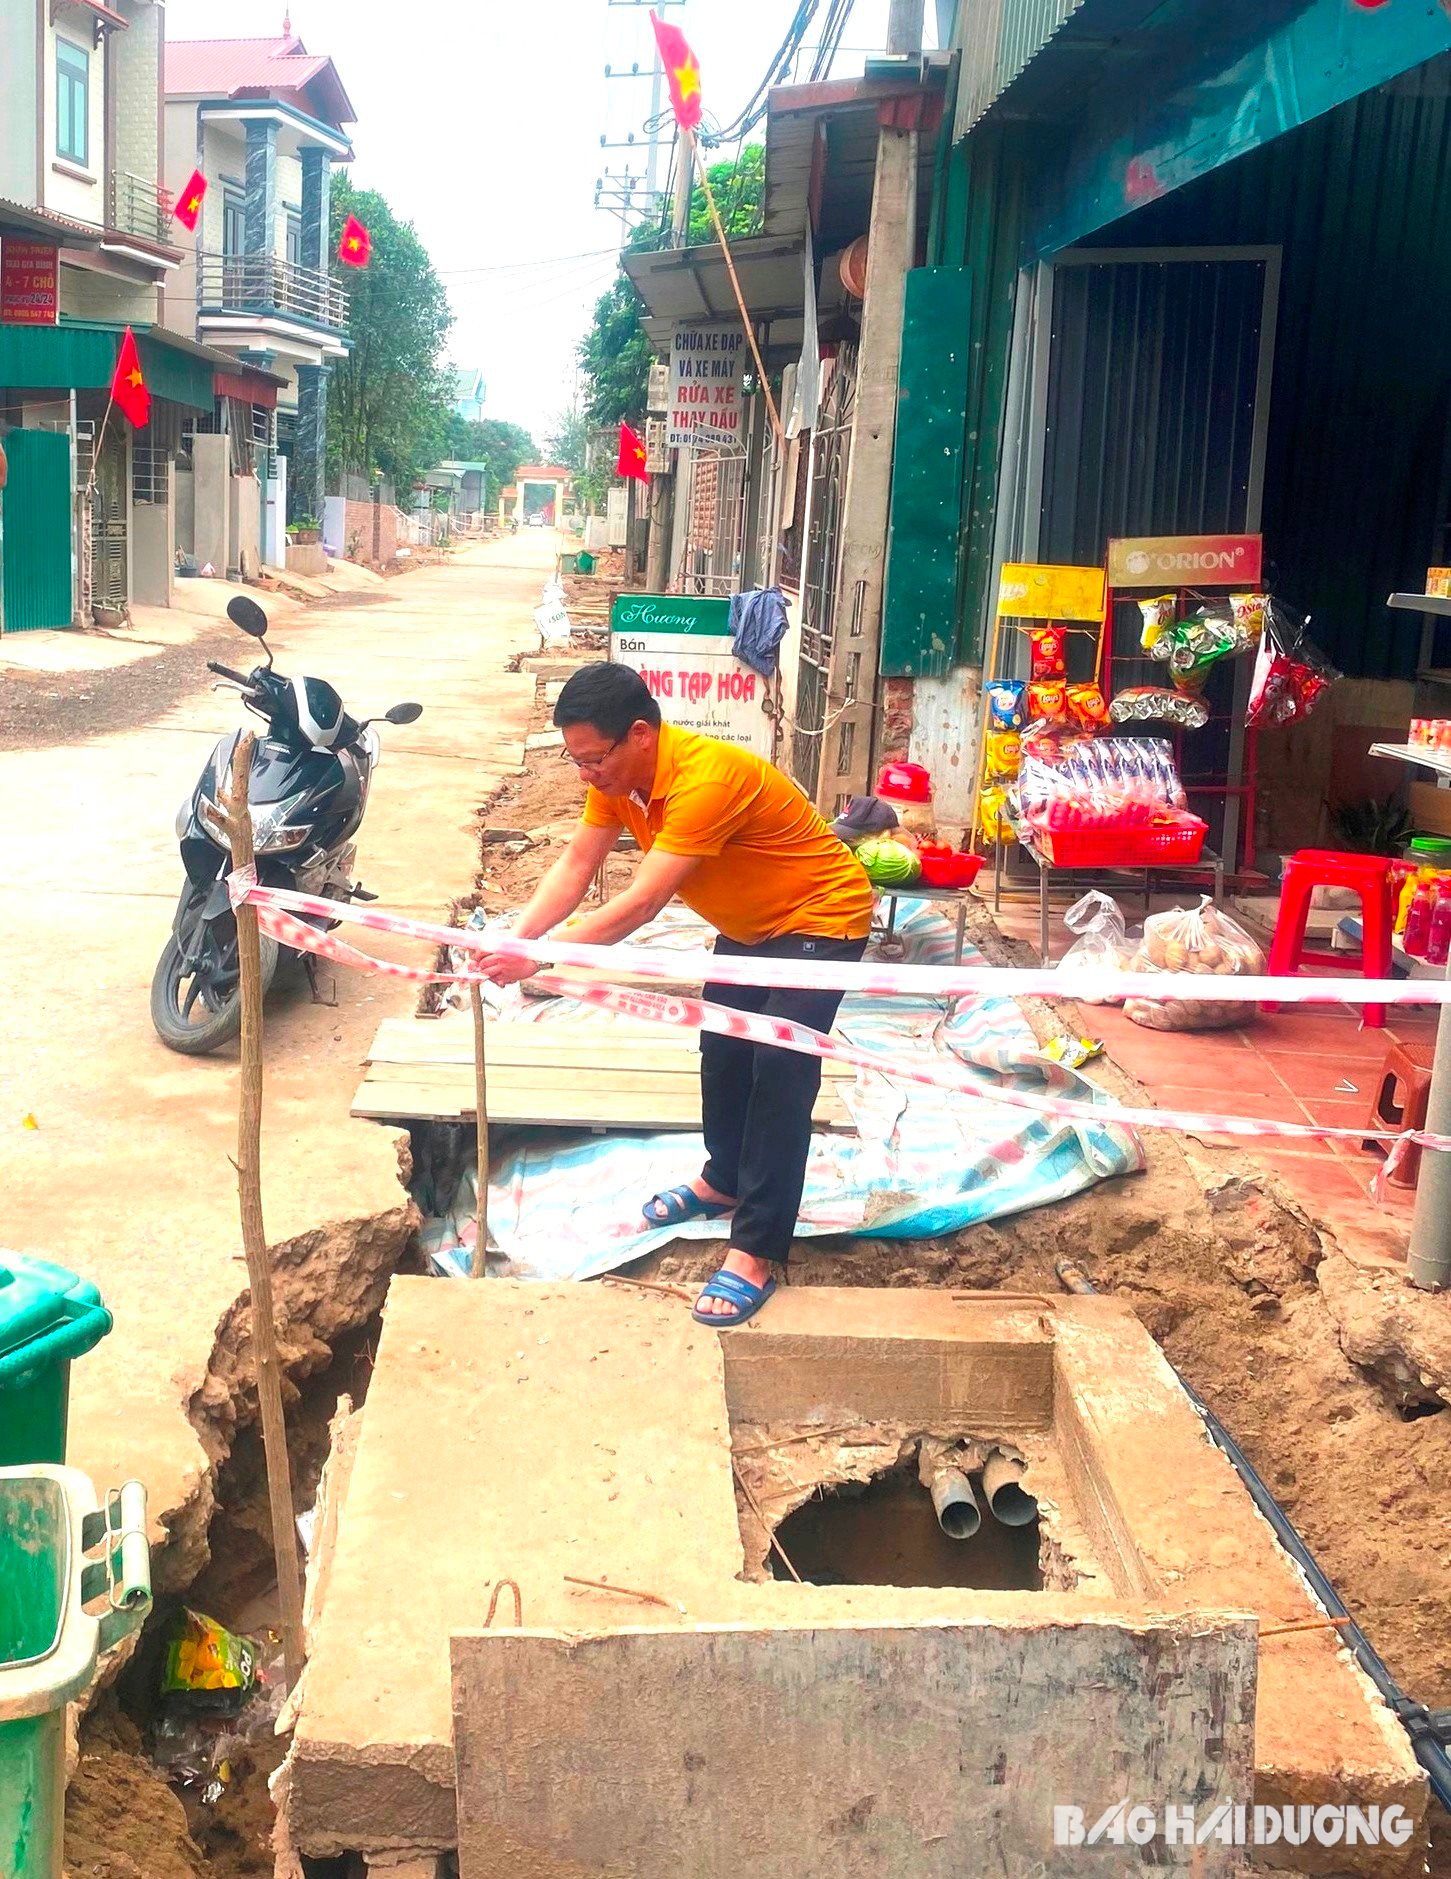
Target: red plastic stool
x: 1402, y: 1094
x: 1367, y: 875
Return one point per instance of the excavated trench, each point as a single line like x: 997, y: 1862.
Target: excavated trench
x: 1329, y: 1380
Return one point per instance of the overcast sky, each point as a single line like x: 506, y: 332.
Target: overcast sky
x: 481, y: 123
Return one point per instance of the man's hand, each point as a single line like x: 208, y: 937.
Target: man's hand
x: 504, y: 968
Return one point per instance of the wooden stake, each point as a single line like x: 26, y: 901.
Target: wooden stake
x: 623, y: 1591
x: 725, y: 248
x: 254, y: 1236
x: 479, y: 1264
x: 1303, y: 1624
x: 770, y: 1531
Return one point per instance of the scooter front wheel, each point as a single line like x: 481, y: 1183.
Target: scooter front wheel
x: 192, y: 1016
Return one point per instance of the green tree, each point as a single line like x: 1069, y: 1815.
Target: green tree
x: 503, y: 447
x: 615, y: 354
x: 389, y: 400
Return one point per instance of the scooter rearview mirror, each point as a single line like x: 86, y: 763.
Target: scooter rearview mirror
x: 248, y: 615
x: 404, y: 714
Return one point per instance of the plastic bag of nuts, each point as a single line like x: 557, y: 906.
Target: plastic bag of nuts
x: 1193, y: 939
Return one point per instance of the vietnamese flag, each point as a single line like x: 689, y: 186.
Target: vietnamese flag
x: 631, y: 460
x: 682, y: 69
x: 188, y: 205
x: 356, y: 245
x: 128, y: 387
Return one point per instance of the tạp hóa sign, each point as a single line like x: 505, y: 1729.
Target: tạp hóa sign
x: 29, y: 283
x: 1028, y: 591
x: 1185, y: 561
x: 681, y: 646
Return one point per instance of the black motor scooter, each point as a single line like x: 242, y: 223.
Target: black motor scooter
x: 307, y: 792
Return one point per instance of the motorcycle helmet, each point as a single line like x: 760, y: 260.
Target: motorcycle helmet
x: 311, y: 710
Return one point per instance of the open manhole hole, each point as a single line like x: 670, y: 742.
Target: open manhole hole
x: 888, y: 1532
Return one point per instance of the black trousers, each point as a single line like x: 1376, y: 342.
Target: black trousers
x: 756, y: 1099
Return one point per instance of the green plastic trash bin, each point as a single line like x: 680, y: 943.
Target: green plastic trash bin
x: 47, y: 1317
x: 584, y: 562
x: 59, y: 1552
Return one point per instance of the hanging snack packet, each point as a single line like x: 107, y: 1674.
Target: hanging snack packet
x: 1007, y: 704
x: 1158, y: 617
x: 1004, y: 754
x: 1048, y: 698
x: 992, y: 817
x: 1197, y: 645
x: 1248, y: 614
x: 1086, y: 705
x: 1048, y: 656
x: 1149, y: 702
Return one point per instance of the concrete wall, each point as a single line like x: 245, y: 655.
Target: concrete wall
x: 179, y: 289
x: 307, y: 557
x: 832, y: 1752
x: 136, y: 78
x: 18, y: 53
x: 153, y: 549
x: 244, y: 534
x: 1326, y: 758
x: 211, y: 478
x: 82, y: 197
x: 85, y: 295
x: 184, y: 485
x: 942, y: 722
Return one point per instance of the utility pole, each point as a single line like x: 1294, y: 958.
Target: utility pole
x: 851, y: 680
x: 662, y: 485
x: 904, y: 26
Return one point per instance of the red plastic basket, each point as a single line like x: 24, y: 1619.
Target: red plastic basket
x: 1173, y: 845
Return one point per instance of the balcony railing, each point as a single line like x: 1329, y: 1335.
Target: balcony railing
x: 260, y: 283
x: 141, y: 207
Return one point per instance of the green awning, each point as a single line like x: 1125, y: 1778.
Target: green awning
x: 84, y: 357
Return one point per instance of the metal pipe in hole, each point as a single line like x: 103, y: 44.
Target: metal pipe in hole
x: 1010, y: 1504
x: 958, y: 1513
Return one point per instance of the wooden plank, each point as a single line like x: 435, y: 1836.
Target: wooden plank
x: 639, y: 1047
x: 569, y: 1100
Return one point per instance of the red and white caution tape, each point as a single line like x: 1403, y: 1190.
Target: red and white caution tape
x: 274, y: 917
x: 1085, y: 982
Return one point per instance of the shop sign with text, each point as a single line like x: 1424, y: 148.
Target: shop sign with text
x: 1185, y: 561
x: 707, y: 367
x: 1027, y: 591
x: 29, y: 283
x: 681, y: 647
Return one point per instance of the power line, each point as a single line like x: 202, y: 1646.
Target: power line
x: 510, y: 267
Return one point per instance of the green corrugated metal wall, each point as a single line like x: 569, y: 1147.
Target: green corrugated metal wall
x: 35, y: 531
x: 1356, y: 488
x: 919, y: 622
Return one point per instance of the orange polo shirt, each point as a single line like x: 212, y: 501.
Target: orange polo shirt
x: 768, y: 866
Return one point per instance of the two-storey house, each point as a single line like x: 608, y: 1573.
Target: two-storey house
x: 263, y: 120
x: 87, y: 240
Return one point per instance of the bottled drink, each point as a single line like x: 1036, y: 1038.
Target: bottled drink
x: 1418, y: 923
x: 1438, y: 944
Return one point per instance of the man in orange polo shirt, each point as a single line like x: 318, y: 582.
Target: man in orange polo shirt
x: 738, y: 842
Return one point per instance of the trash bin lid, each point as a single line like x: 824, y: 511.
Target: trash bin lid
x: 47, y: 1314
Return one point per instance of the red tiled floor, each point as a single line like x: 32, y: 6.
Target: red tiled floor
x: 1314, y: 1077
x: 1322, y: 1032
x: 1340, y: 1112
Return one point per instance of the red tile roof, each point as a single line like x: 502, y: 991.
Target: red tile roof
x: 227, y: 68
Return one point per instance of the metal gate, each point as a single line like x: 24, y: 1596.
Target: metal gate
x: 826, y: 500
x: 715, y: 520
x: 35, y: 532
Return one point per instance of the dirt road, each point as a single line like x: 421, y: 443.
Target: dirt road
x: 126, y: 1178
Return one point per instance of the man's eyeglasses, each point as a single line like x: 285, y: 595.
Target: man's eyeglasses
x: 593, y: 763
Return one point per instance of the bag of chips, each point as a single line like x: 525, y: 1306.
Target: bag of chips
x: 1047, y: 655
x: 1086, y: 705
x: 992, y: 816
x: 208, y: 1670
x: 1148, y: 703
x: 1194, y: 939
x: 1004, y: 754
x: 1007, y: 704
x: 1158, y: 618
x: 1248, y: 614
x: 1048, y: 698
x: 1291, y: 674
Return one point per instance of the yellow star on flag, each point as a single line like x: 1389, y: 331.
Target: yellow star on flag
x: 133, y: 377
x: 688, y: 79
x: 194, y: 204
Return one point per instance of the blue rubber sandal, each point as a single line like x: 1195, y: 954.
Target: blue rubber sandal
x: 681, y: 1204
x: 747, y: 1298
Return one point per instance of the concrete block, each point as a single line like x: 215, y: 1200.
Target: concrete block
x: 833, y: 1753
x: 306, y: 558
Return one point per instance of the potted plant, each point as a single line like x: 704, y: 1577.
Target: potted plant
x: 305, y: 529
